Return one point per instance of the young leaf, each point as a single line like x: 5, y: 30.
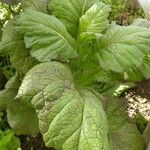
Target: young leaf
x: 70, y: 11
x: 123, y: 48
x: 68, y: 119
x: 94, y: 21
x: 18, y: 114
x: 46, y: 35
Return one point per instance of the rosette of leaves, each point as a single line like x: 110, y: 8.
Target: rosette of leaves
x: 63, y: 54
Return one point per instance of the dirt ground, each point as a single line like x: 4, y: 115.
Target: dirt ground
x: 139, y: 100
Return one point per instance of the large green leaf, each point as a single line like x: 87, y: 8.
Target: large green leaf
x: 94, y: 21
x: 70, y: 11
x: 123, y: 48
x: 46, y: 36
x: 18, y: 114
x: 13, y: 44
x: 137, y: 74
x: 123, y: 135
x: 68, y: 119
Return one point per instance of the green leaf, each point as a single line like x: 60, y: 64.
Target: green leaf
x: 13, y: 44
x: 21, y: 59
x: 18, y: 115
x: 138, y: 74
x: 0, y: 34
x: 134, y: 75
x: 123, y: 48
x: 8, y: 141
x: 22, y: 119
x: 126, y: 138
x: 116, y: 113
x: 38, y: 5
x: 148, y: 147
x: 9, y: 40
x: 10, y: 91
x: 68, y: 119
x: 141, y: 23
x: 145, y: 69
x: 46, y: 36
x: 94, y: 21
x: 122, y: 134
x: 146, y: 135
x: 107, y: 76
x: 70, y: 11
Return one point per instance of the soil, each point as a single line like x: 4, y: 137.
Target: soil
x: 139, y: 100
x: 33, y: 143
x: 143, y: 89
x: 3, y: 80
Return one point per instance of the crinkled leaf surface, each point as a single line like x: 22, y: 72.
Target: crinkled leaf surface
x: 123, y: 48
x: 46, y: 36
x: 68, y: 119
x: 22, y: 119
x: 138, y: 74
x: 70, y: 11
x: 94, y: 21
x: 38, y: 5
x: 123, y: 135
x: 13, y: 44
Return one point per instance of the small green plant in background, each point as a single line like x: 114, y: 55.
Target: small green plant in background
x: 124, y: 11
x: 8, y: 141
